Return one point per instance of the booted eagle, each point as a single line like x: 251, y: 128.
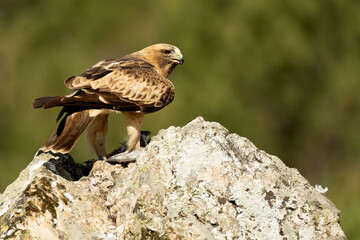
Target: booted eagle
x: 133, y: 85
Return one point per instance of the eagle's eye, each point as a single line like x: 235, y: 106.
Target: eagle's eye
x: 165, y: 52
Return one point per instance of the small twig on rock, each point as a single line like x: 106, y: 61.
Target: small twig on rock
x: 126, y: 157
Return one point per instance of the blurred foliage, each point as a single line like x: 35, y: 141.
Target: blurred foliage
x: 284, y: 74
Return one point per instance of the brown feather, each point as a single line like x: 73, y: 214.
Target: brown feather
x: 40, y: 102
x: 75, y: 124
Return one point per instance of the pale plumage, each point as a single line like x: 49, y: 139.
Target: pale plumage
x: 135, y: 84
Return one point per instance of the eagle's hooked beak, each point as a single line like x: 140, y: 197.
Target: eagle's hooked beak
x: 179, y: 59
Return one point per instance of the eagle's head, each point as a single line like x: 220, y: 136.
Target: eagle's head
x: 164, y: 57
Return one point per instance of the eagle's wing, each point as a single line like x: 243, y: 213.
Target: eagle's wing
x: 126, y: 84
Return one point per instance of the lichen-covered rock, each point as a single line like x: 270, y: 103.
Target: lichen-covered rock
x: 194, y: 182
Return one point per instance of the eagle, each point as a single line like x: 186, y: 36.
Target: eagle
x: 133, y: 85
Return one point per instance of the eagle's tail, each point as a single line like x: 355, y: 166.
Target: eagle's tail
x: 75, y: 116
x: 68, y: 132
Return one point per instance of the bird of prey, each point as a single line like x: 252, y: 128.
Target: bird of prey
x: 133, y: 85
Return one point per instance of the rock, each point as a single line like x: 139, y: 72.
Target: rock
x: 194, y: 182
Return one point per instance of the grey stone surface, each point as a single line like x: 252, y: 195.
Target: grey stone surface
x: 194, y: 182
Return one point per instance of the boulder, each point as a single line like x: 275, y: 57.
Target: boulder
x: 192, y: 182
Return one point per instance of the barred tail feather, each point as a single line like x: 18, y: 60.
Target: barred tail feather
x: 72, y: 126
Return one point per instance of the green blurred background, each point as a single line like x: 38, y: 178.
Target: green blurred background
x: 284, y: 74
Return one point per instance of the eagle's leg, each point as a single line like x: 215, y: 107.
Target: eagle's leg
x: 96, y: 133
x: 133, y: 126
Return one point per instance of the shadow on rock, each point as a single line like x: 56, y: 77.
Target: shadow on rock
x: 64, y: 166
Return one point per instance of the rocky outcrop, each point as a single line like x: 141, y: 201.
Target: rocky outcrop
x: 193, y: 182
